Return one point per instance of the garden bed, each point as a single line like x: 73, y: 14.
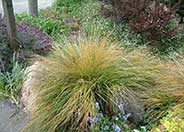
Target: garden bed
x: 94, y: 70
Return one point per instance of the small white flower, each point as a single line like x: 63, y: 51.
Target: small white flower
x: 121, y: 108
x: 97, y: 105
x: 135, y: 130
x: 128, y: 115
x: 143, y: 128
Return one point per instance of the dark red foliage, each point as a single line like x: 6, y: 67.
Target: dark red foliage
x: 129, y: 9
x: 152, y: 18
x: 154, y: 21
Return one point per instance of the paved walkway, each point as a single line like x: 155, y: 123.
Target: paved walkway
x: 22, y: 5
x: 12, y: 119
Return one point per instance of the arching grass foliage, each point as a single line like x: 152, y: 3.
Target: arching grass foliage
x: 79, y: 74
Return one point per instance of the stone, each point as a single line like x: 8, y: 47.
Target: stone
x: 137, y: 112
x: 28, y: 95
x: 134, y: 106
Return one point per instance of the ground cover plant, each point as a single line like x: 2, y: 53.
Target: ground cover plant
x: 67, y: 3
x: 87, y: 14
x: 54, y: 26
x: 80, y: 74
x: 174, y: 121
x: 116, y: 123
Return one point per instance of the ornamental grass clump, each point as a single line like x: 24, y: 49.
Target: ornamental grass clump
x: 78, y: 75
x: 174, y: 85
x: 169, y: 93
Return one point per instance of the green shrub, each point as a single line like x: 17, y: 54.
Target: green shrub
x: 53, y: 27
x: 68, y: 5
x: 67, y: 2
x: 79, y: 74
x: 173, y: 122
x: 2, y: 81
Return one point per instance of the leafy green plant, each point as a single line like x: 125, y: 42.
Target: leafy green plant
x: 81, y: 73
x: 173, y: 122
x: 2, y: 81
x: 53, y: 27
x: 11, y: 82
x: 102, y: 123
x: 108, y: 124
x: 67, y: 3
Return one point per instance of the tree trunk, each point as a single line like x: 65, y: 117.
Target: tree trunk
x: 10, y: 22
x: 33, y: 7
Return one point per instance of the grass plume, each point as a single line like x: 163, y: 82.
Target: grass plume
x: 169, y: 92
x: 81, y: 73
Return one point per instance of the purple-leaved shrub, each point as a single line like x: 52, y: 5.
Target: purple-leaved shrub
x: 153, y: 19
x: 31, y: 39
